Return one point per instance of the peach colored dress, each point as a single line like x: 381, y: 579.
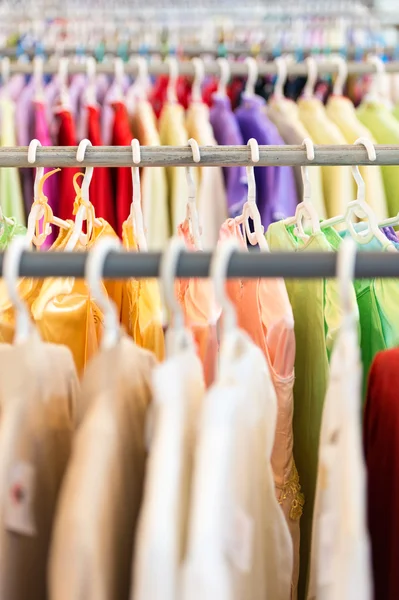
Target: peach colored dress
x: 264, y: 312
x: 197, y: 300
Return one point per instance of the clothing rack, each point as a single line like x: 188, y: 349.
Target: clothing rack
x: 186, y: 67
x: 216, y: 156
x: 253, y: 264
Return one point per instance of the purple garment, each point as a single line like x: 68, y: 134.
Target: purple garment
x: 107, y: 113
x: 276, y: 194
x: 14, y: 87
x: 227, y: 133
x: 389, y: 233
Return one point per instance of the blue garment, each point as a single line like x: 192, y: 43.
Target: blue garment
x: 276, y: 193
x: 227, y: 133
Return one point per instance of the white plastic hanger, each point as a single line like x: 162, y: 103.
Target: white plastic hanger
x: 177, y: 336
x: 136, y: 213
x: 377, y: 89
x: 346, y: 262
x: 252, y: 77
x: 63, y: 81
x: 38, y: 68
x: 250, y: 209
x: 171, y: 95
x: 94, y: 271
x: 282, y: 74
x: 308, y: 90
x: 11, y: 270
x: 218, y: 272
x: 119, y: 74
x: 360, y: 209
x: 91, y: 93
x: 86, y: 209
x: 224, y: 76
x: 142, y: 82
x: 342, y: 75
x: 199, y: 69
x: 305, y: 210
x: 192, y: 212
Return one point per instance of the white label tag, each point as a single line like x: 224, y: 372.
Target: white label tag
x: 240, y: 540
x: 326, y: 557
x: 18, y: 515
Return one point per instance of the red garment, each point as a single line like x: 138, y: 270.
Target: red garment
x: 122, y: 136
x: 101, y: 195
x: 381, y: 444
x: 66, y: 137
x: 158, y: 94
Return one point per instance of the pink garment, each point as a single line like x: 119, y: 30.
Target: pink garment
x: 264, y: 312
x: 197, y: 300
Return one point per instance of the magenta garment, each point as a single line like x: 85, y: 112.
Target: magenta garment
x: 25, y: 123
x: 227, y: 133
x: 276, y: 193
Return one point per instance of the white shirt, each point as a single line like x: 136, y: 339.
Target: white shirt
x: 340, y: 560
x: 239, y: 545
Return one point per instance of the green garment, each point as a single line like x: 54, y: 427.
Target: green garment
x: 317, y: 315
x: 378, y: 302
x: 385, y: 129
x: 10, y: 184
x: 8, y: 231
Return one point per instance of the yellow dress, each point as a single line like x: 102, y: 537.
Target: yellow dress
x: 141, y: 305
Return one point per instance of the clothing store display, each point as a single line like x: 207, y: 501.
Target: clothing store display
x: 92, y: 545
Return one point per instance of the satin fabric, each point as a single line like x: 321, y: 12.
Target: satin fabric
x: 141, y: 305
x: 123, y: 186
x: 66, y: 137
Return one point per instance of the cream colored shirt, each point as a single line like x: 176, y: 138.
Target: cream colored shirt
x: 92, y: 547
x: 211, y: 193
x: 342, y: 112
x: 337, y: 181
x: 239, y: 544
x: 154, y: 189
x: 38, y: 387
x: 161, y: 537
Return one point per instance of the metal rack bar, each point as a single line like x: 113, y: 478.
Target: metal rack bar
x: 227, y: 156
x: 186, y: 67
x: 122, y: 265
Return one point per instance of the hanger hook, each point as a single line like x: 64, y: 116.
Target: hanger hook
x: 282, y: 74
x: 94, y: 271
x: 91, y: 70
x: 5, y: 70
x: 342, y: 75
x: 224, y: 77
x: 307, y: 142
x: 32, y: 148
x: 346, y: 264
x: 38, y: 69
x: 80, y: 156
x: 199, y: 74
x: 173, y: 76
x: 252, y: 78
x: 372, y: 156
x: 11, y: 273
x: 311, y: 81
x: 192, y: 212
x: 254, y: 149
x: 167, y: 271
x: 220, y: 264
x: 136, y: 212
x: 119, y: 70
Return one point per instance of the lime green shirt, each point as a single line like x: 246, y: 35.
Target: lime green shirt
x: 10, y: 184
x: 8, y: 231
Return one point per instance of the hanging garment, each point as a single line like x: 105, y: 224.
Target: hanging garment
x: 264, y: 313
x: 385, y: 129
x: 114, y: 95
x: 380, y: 434
x: 66, y: 137
x: 38, y: 386
x: 284, y: 114
x: 121, y: 136
x: 196, y: 297
x: 179, y: 388
x: 227, y: 133
x: 239, y: 545
x: 211, y: 195
x: 141, y: 305
x: 342, y: 112
x: 101, y: 195
x: 377, y: 300
x: 154, y: 191
x: 92, y: 546
x: 8, y: 229
x: 25, y: 124
x: 338, y: 187
x: 11, y: 199
x: 317, y: 316
x: 340, y: 560
x: 276, y: 195
x: 172, y: 132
